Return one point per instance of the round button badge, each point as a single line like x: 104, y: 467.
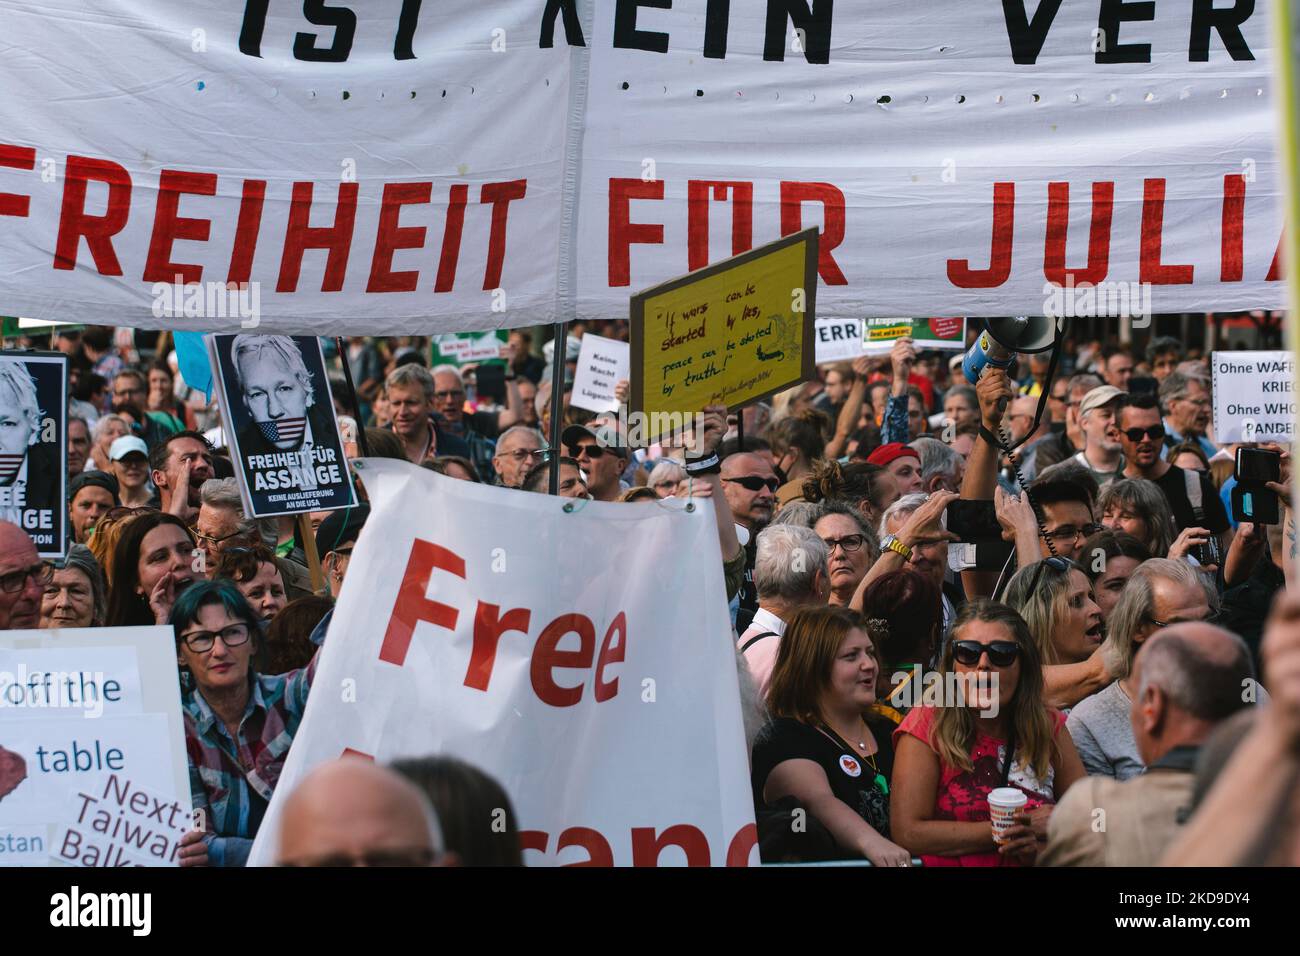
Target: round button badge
x: 850, y: 765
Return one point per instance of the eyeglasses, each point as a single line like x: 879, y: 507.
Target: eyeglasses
x: 849, y: 543
x: 519, y: 454
x: 415, y: 856
x: 1059, y: 565
x: 15, y: 581
x: 592, y: 451
x: 1001, y: 653
x: 1157, y: 433
x: 127, y: 392
x: 756, y: 483
x: 1069, y: 533
x: 202, y: 641
x: 451, y: 393
x: 212, y: 539
x: 1209, y: 618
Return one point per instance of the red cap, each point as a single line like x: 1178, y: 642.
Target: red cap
x: 883, y: 455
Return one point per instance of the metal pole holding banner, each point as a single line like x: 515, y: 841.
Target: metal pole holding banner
x: 1286, y: 24
x: 561, y: 332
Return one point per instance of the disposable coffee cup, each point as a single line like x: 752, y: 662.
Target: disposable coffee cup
x: 1004, y: 804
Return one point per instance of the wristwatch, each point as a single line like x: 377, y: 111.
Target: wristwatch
x: 710, y: 465
x: 891, y: 543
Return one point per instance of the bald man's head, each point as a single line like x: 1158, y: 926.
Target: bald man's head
x: 1186, y: 679
x: 748, y: 483
x: 20, y: 608
x: 351, y: 812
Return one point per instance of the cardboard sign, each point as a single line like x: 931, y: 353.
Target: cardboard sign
x: 461, y: 348
x: 80, y: 705
x: 838, y: 340
x: 602, y: 363
x: 34, y: 447
x: 1254, y: 396
x: 879, y: 335
x: 280, y: 424
x: 115, y: 821
x: 733, y: 333
x: 610, y: 715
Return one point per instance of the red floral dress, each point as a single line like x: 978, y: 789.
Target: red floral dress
x: 964, y: 794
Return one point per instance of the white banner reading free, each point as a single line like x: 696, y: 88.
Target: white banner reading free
x: 1254, y: 396
x: 582, y: 659
x: 396, y: 168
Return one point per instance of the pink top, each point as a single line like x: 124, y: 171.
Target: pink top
x: 963, y: 795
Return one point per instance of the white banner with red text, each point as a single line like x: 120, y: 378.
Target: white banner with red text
x: 398, y: 167
x: 580, y: 657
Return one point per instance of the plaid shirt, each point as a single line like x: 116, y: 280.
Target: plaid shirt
x: 225, y: 773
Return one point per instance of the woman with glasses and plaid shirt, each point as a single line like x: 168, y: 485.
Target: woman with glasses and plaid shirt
x: 239, y: 724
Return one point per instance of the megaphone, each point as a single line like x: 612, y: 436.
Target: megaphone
x: 1003, y: 338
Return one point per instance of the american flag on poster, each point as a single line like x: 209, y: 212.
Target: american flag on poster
x: 9, y: 465
x: 286, y: 429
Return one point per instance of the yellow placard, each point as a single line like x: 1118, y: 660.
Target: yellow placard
x: 732, y: 333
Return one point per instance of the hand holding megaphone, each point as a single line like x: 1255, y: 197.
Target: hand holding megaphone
x: 995, y: 393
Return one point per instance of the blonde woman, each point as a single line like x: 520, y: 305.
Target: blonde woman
x: 996, y: 732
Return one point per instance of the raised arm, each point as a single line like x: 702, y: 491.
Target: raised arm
x: 852, y: 410
x: 981, y: 479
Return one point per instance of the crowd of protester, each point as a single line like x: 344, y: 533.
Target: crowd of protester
x: 1139, y: 651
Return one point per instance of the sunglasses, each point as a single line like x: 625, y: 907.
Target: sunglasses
x: 1059, y: 565
x: 1001, y: 653
x: 756, y: 483
x: 592, y: 451
x: 1156, y: 432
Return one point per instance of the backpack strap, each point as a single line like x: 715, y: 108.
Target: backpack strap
x: 755, y: 639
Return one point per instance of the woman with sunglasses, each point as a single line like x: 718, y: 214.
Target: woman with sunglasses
x: 994, y: 732
x: 239, y: 724
x: 852, y: 548
x: 152, y: 563
x: 822, y: 749
x: 1137, y: 507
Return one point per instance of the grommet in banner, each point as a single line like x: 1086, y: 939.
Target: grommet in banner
x: 1074, y: 97
x: 568, y: 507
x: 1150, y: 97
x: 358, y: 464
x: 626, y: 84
x: 1223, y: 94
x: 1036, y: 97
x: 690, y: 507
x: 347, y: 95
x: 999, y: 99
x: 1112, y: 97
x: 699, y: 92
x: 200, y: 86
x: 959, y: 98
x: 884, y: 100
x: 848, y: 97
